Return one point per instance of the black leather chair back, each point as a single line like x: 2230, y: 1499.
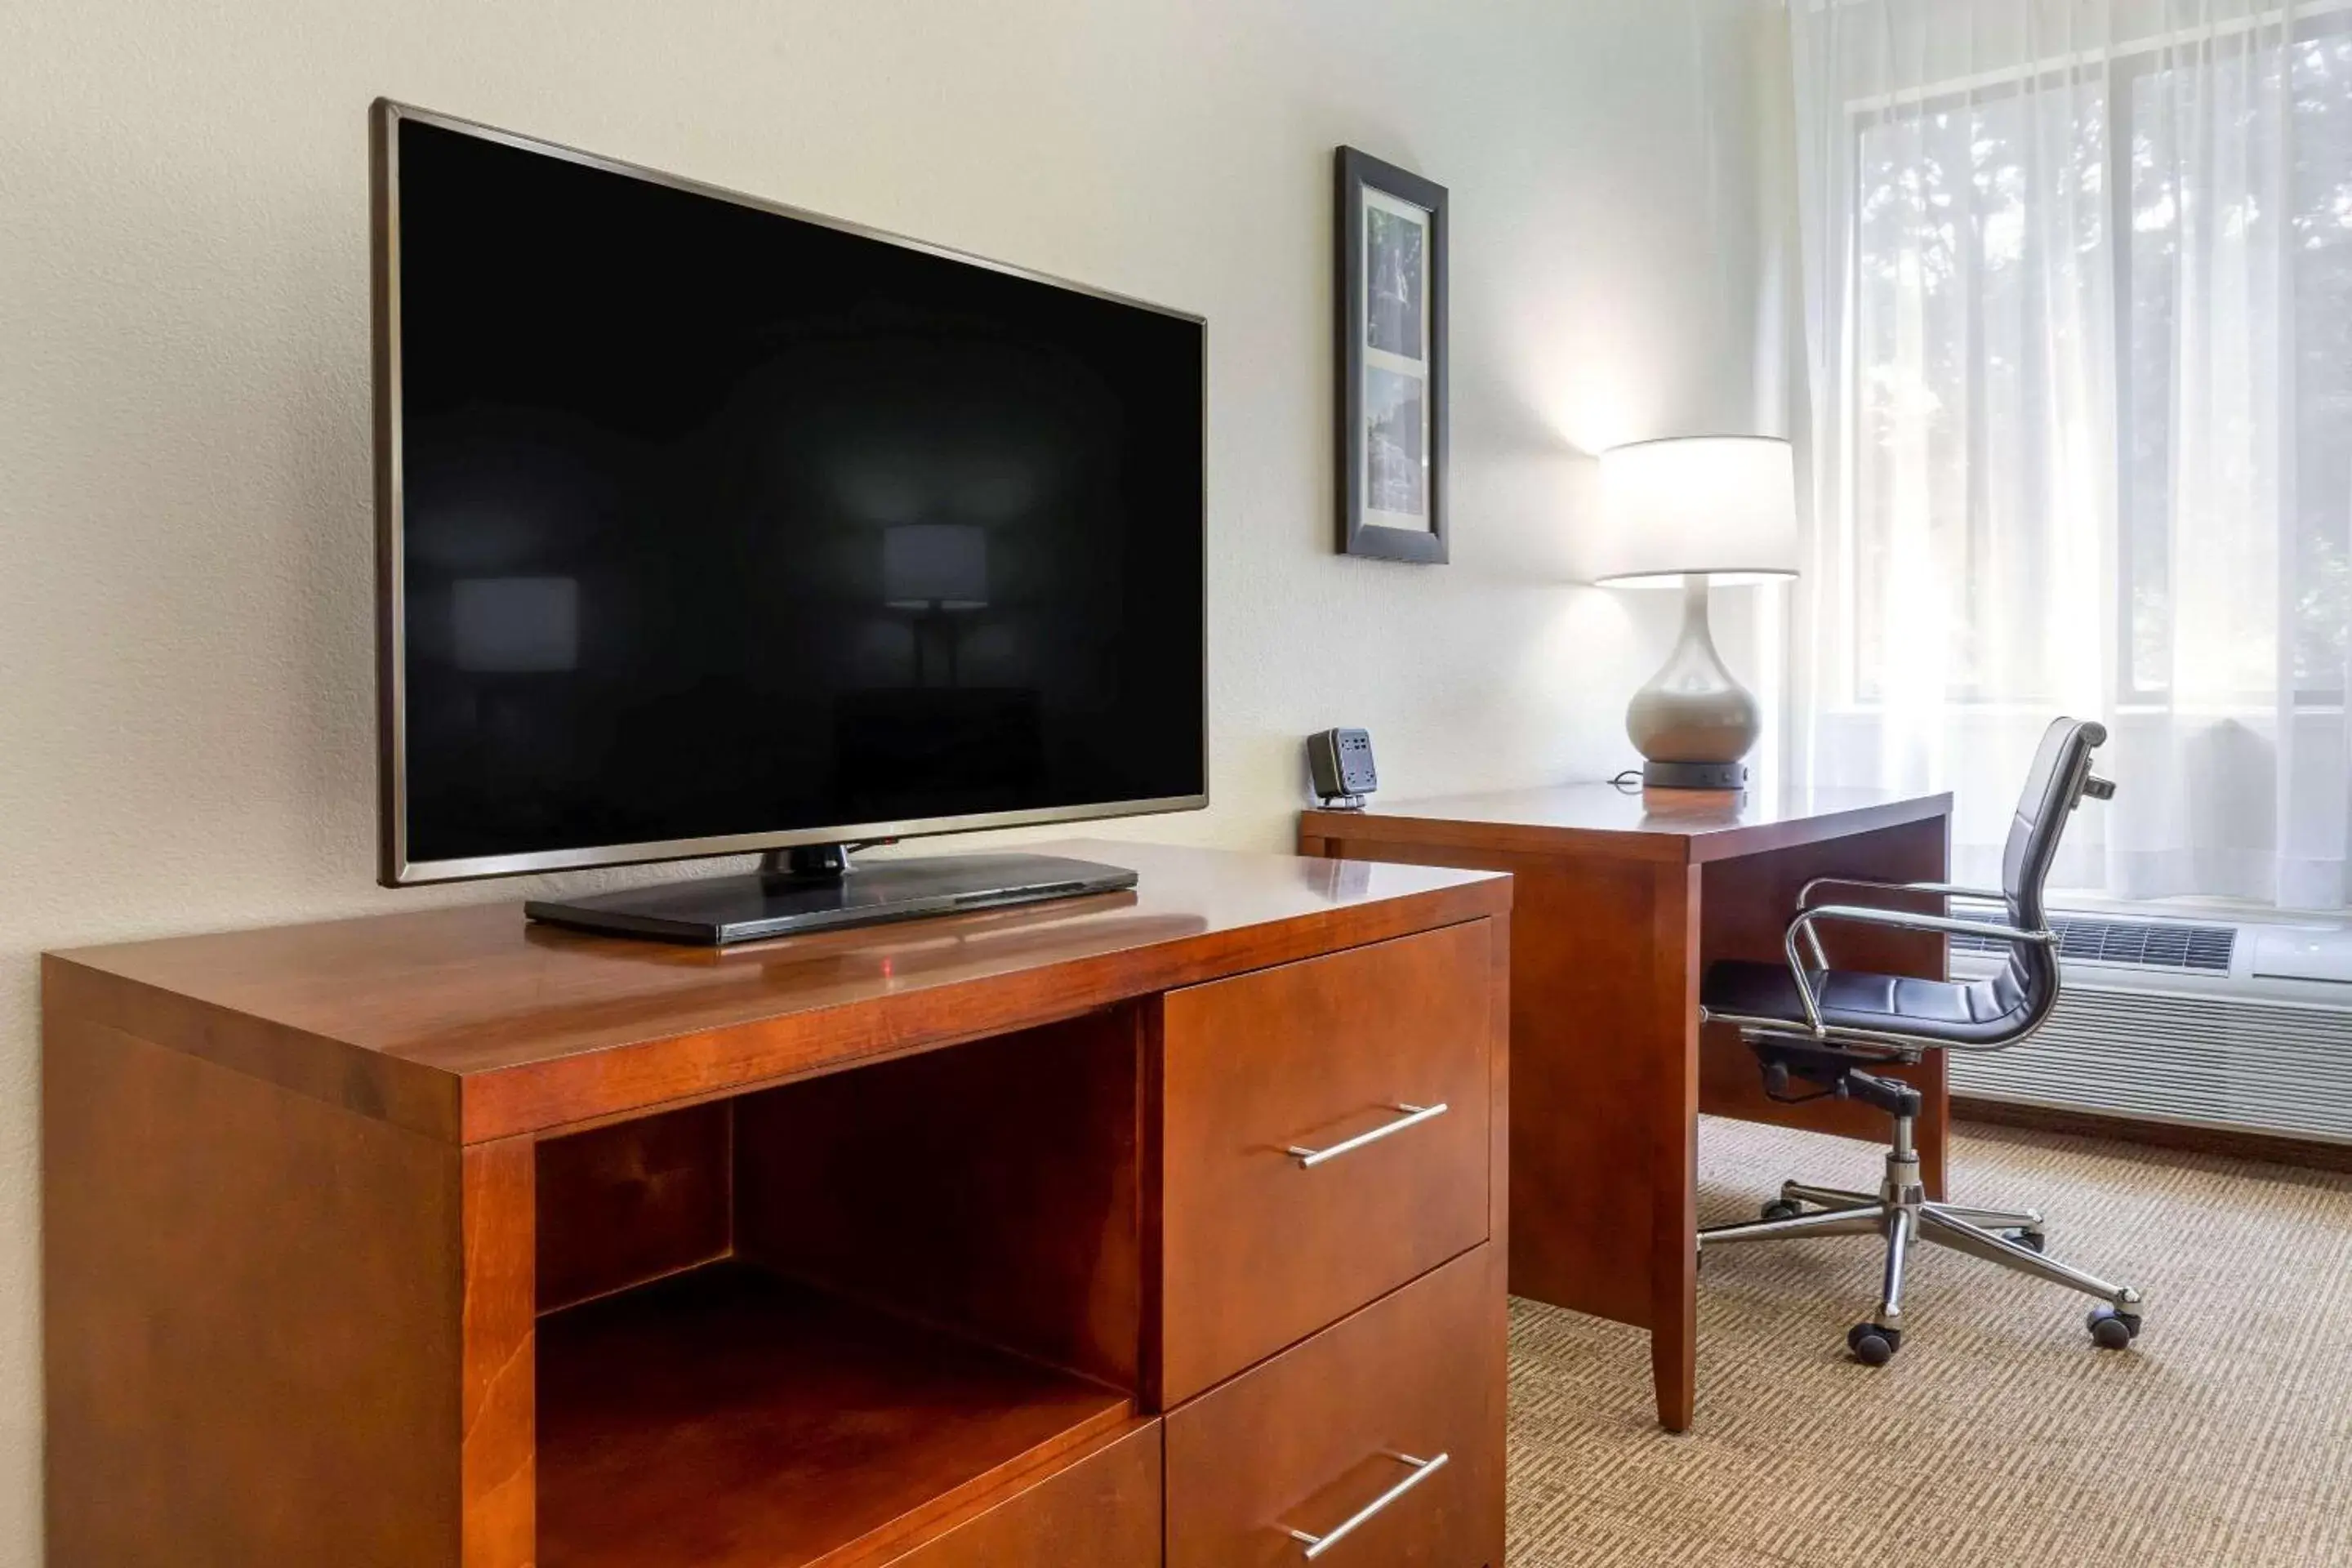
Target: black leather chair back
x: 2062, y: 766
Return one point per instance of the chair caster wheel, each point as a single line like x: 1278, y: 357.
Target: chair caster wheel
x: 1871, y: 1345
x: 1783, y: 1208
x: 2032, y: 1238
x: 2112, y: 1329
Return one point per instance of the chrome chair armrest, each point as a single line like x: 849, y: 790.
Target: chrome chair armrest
x: 1901, y: 919
x: 1949, y: 890
x: 1946, y: 890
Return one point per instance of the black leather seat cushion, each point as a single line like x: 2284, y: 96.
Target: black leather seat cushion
x: 1963, y: 1012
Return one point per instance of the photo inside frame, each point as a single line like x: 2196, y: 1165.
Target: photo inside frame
x: 1396, y: 339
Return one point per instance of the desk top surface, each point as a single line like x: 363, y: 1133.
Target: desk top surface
x: 1629, y: 823
x: 470, y: 1022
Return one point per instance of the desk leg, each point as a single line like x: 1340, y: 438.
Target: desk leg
x: 1672, y: 1000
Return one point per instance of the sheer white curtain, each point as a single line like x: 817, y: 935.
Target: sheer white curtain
x: 2078, y: 284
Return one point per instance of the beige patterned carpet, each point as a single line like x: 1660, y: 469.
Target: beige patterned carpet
x: 1999, y: 1436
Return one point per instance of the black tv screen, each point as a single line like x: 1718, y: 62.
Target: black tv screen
x: 710, y: 526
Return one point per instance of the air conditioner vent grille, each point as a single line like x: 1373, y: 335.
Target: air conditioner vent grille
x: 2131, y: 944
x: 2280, y: 1067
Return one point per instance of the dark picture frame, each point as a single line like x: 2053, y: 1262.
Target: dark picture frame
x: 1389, y: 230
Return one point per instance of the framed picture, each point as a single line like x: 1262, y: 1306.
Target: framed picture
x: 1392, y: 361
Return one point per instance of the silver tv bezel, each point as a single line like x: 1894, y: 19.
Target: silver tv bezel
x: 395, y: 868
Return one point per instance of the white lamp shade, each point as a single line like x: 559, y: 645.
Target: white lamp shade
x: 935, y: 566
x: 515, y: 625
x: 1717, y: 506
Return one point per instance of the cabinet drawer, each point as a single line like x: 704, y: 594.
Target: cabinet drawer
x: 1349, y: 1057
x: 1101, y: 1510
x: 1350, y: 1427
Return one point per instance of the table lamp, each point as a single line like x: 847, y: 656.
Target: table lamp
x: 1684, y: 513
x: 939, y: 571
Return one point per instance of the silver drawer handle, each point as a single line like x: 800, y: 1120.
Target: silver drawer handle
x: 1422, y: 1470
x: 1414, y: 1116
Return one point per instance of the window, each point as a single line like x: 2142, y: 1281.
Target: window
x: 2122, y: 292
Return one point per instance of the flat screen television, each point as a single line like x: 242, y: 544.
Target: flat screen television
x: 706, y: 526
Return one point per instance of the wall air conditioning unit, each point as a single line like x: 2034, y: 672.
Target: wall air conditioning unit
x: 2243, y: 1025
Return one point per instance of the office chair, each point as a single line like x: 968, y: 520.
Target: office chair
x: 1829, y: 1027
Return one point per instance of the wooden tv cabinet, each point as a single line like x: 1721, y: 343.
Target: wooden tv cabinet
x: 1115, y: 1232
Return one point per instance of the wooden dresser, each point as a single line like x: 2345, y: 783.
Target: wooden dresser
x: 1157, y: 1227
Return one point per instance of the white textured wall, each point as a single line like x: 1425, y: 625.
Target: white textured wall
x: 185, y: 724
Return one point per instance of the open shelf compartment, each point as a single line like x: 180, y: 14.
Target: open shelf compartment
x: 821, y: 1323
x: 725, y: 1417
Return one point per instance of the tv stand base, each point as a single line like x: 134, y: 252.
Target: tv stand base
x: 812, y: 889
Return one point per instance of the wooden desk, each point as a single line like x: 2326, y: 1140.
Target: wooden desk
x: 1623, y: 899
x: 440, y: 1240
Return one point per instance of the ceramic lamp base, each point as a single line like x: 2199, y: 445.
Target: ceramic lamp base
x: 1694, y: 721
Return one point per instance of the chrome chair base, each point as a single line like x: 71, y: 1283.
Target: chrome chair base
x: 1901, y: 1212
